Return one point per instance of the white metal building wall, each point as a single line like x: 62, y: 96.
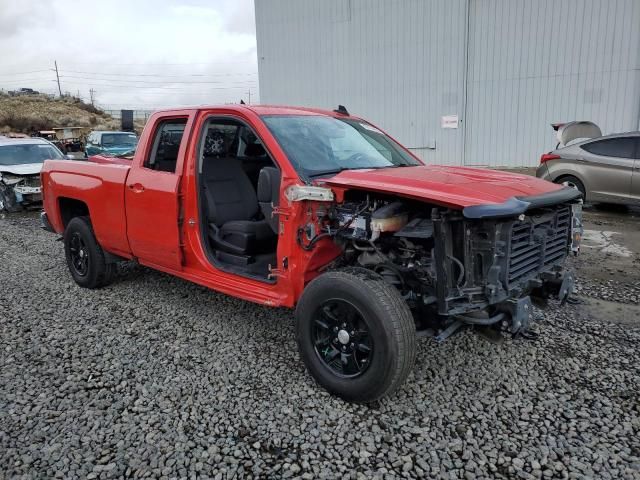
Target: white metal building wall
x: 507, y: 68
x: 534, y: 62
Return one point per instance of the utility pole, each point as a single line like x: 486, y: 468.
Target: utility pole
x: 249, y: 92
x: 55, y: 62
x: 92, y: 95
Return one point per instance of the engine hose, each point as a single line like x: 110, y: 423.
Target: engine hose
x: 459, y: 263
x: 362, y: 249
x: 309, y: 246
x: 482, y: 321
x: 388, y: 264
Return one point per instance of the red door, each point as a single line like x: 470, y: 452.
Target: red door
x: 151, y: 196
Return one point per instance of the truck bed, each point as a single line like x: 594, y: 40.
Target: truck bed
x: 100, y: 187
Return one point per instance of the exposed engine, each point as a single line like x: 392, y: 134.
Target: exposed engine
x: 449, y: 267
x: 387, y: 237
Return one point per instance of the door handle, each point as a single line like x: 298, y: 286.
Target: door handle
x: 136, y: 187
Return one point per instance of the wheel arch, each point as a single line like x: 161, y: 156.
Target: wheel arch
x: 559, y: 176
x: 558, y: 173
x: 70, y: 208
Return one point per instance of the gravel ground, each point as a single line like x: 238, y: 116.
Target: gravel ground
x: 156, y: 377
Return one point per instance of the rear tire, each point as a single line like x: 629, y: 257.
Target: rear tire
x: 571, y: 181
x: 85, y: 257
x: 356, y: 334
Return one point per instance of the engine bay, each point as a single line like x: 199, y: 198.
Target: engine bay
x: 443, y: 264
x: 389, y: 238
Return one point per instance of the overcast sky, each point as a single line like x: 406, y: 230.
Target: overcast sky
x: 134, y: 53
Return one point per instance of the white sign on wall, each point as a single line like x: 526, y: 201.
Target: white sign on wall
x: 450, y: 121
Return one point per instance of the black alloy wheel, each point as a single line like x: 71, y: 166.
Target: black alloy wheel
x: 355, y: 334
x: 85, y: 258
x: 79, y: 255
x: 341, y: 338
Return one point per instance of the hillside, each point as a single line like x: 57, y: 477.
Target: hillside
x: 30, y: 113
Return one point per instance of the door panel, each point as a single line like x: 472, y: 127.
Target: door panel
x: 151, y: 200
x: 609, y: 178
x: 635, y: 177
x: 152, y: 197
x: 635, y: 183
x: 609, y: 168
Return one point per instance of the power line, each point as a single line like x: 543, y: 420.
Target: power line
x: 164, y: 75
x: 23, y: 73
x: 147, y: 82
x: 139, y: 64
x: 164, y: 94
x: 149, y: 87
x: 24, y: 80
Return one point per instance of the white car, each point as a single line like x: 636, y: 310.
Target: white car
x: 21, y: 160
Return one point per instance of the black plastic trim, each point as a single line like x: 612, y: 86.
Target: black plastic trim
x: 45, y: 224
x: 517, y: 205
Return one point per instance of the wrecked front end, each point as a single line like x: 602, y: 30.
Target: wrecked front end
x: 482, y: 265
x: 507, y: 256
x: 17, y: 191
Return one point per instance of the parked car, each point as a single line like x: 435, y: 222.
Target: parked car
x: 324, y: 212
x: 110, y: 143
x: 20, y: 163
x: 603, y: 168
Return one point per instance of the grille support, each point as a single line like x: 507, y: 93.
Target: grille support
x: 536, y: 243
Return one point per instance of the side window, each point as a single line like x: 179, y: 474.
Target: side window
x: 622, y: 147
x: 166, y: 144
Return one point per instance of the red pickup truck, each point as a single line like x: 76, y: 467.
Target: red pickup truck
x: 324, y: 212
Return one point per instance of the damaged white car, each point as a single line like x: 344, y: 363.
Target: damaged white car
x: 20, y: 162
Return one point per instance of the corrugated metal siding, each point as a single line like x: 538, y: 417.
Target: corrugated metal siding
x: 403, y: 64
x: 398, y: 63
x: 532, y: 63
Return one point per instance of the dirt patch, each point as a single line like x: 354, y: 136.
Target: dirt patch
x: 611, y: 246
x: 29, y: 113
x: 608, y: 311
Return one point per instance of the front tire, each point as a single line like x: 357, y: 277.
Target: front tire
x: 85, y: 257
x: 356, y: 334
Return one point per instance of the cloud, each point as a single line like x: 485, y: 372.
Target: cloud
x: 17, y: 16
x: 240, y: 17
x: 136, y: 53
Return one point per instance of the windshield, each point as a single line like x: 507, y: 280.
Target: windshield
x: 319, y: 145
x: 119, y: 139
x: 23, y: 154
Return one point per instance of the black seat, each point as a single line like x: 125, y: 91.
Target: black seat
x: 232, y: 208
x: 269, y: 195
